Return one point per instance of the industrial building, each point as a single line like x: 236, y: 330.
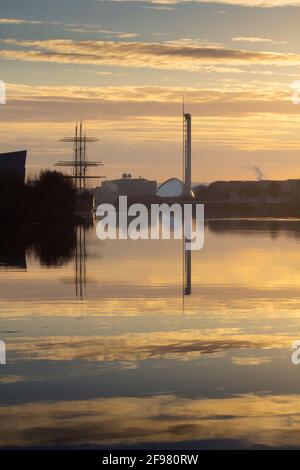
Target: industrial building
x: 110, y: 190
x: 12, y: 164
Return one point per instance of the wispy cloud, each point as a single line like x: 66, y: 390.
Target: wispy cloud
x: 254, y: 3
x: 166, y: 56
x: 246, y: 3
x: 257, y: 40
x: 251, y: 361
x: 24, y: 21
x: 19, y: 21
x: 157, y: 7
x: 72, y: 27
x: 247, y: 93
x: 92, y: 29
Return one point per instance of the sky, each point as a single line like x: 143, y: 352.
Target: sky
x: 124, y: 66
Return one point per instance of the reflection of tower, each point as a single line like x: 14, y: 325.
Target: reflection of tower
x: 187, y: 153
x: 80, y: 262
x: 80, y: 164
x: 187, y: 269
x: 187, y: 179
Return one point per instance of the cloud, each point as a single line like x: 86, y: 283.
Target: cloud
x: 250, y: 361
x: 19, y: 21
x: 157, y: 7
x: 228, y: 92
x: 256, y: 40
x: 166, y: 56
x: 240, y: 115
x: 28, y: 103
x: 253, y: 3
x: 243, y: 3
x: 71, y: 27
x: 90, y: 29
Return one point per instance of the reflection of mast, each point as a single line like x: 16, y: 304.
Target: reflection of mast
x: 80, y: 164
x: 80, y: 262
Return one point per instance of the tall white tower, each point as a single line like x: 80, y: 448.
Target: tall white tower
x: 187, y: 154
x: 187, y: 178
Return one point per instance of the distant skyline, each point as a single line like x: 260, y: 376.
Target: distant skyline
x: 124, y: 66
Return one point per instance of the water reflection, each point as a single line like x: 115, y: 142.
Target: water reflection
x: 80, y: 262
x: 250, y: 421
x: 123, y: 367
x: 12, y: 250
x: 55, y: 246
x: 271, y: 227
x: 187, y: 270
x: 52, y: 245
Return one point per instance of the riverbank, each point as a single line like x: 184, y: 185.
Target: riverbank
x: 226, y: 209
x: 51, y: 198
x: 255, y: 209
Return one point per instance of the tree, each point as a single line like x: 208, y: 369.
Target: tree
x: 56, y: 193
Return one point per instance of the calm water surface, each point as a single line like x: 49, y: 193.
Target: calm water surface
x: 103, y: 351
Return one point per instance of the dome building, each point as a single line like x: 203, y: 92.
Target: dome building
x: 173, y: 187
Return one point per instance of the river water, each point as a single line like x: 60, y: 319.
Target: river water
x: 103, y: 350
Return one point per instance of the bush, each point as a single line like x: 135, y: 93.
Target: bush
x: 51, y: 196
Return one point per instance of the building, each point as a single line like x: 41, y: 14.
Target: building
x: 110, y: 190
x: 173, y: 187
x: 12, y: 164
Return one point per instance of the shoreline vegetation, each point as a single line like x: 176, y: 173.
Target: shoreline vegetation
x: 232, y: 209
x: 51, y: 197
x: 252, y: 209
x: 245, y: 199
